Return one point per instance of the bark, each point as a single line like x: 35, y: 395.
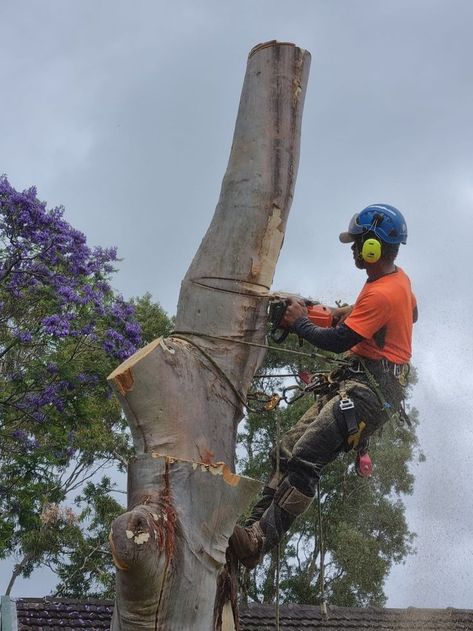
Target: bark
x: 17, y: 570
x: 183, y: 396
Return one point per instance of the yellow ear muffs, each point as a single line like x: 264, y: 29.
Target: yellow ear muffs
x: 371, y: 251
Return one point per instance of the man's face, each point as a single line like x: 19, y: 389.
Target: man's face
x: 356, y: 249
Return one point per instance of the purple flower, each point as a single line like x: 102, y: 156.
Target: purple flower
x: 67, y: 294
x: 28, y: 443
x: 57, y: 325
x: 39, y: 417
x: 19, y: 434
x: 23, y: 336
x: 87, y: 379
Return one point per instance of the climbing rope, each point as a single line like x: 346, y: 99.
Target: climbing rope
x: 322, y: 354
x: 271, y: 402
x: 278, y: 549
x: 323, y: 603
x: 318, y: 533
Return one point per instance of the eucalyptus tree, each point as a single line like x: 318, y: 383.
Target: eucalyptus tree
x: 184, y: 395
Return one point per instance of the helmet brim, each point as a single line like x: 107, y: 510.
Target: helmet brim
x: 346, y: 237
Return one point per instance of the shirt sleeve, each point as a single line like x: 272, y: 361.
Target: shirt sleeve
x: 335, y: 339
x: 370, y: 313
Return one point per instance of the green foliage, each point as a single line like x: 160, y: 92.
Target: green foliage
x: 364, y: 525
x: 153, y: 320
x: 75, y: 443
x: 85, y: 568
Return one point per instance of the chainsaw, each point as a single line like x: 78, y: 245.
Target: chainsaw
x: 318, y: 314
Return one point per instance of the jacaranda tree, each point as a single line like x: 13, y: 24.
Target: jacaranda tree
x: 62, y: 330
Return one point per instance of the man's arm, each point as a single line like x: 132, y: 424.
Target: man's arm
x: 336, y: 339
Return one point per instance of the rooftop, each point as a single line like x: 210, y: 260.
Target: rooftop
x: 53, y: 614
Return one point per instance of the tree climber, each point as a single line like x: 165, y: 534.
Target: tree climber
x: 377, y: 332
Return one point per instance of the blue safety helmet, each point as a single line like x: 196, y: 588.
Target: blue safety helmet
x: 385, y: 221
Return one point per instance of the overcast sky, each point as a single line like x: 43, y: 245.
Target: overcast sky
x: 123, y: 111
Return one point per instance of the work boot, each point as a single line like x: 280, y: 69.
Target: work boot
x: 246, y: 543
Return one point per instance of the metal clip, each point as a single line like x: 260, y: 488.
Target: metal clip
x: 346, y: 404
x: 356, y: 368
x: 285, y: 397
x: 403, y: 377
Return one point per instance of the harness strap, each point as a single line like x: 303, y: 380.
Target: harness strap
x: 355, y: 439
x: 396, y: 416
x: 347, y: 408
x: 354, y: 429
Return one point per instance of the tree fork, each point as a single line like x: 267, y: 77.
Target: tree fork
x: 183, y: 395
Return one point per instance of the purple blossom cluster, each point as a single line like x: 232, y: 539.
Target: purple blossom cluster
x: 41, y: 255
x: 56, y: 302
x: 23, y: 336
x: 51, y: 394
x: 58, y: 325
x: 38, y: 243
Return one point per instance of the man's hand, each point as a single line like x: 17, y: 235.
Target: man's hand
x: 295, y: 309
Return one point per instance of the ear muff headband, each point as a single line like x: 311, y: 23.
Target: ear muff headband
x: 371, y: 251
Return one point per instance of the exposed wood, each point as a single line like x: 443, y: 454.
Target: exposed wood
x: 183, y: 395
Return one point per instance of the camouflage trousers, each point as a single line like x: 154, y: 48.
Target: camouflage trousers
x: 321, y: 434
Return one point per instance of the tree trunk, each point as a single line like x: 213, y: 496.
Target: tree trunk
x: 17, y: 570
x: 183, y: 396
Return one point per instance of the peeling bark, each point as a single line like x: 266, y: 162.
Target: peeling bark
x: 183, y: 396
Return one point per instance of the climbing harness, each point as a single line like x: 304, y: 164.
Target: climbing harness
x: 347, y: 408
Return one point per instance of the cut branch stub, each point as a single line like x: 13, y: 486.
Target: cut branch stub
x: 180, y: 515
x: 177, y: 403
